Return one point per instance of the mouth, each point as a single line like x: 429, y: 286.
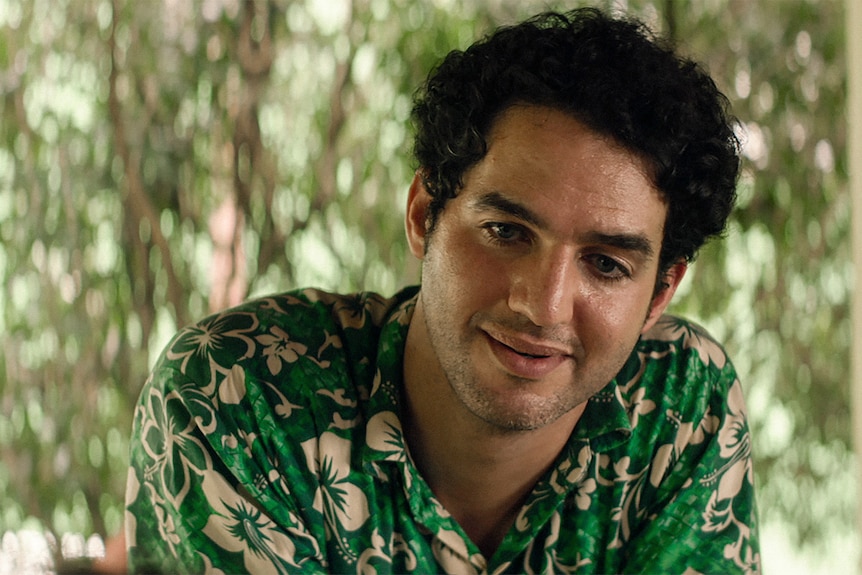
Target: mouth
x: 528, y: 346
x: 530, y: 355
x: 524, y: 353
x: 524, y: 357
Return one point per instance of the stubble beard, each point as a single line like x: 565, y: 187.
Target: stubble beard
x: 501, y: 416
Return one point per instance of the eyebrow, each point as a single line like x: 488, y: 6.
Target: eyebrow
x: 631, y: 242
x: 499, y: 203
x: 635, y: 243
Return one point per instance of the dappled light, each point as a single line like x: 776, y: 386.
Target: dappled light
x: 165, y: 159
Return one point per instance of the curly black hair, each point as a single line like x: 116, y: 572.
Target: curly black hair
x: 614, y: 75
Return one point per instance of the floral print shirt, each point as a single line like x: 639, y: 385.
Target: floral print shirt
x: 268, y: 440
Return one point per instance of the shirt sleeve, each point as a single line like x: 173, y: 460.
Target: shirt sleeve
x: 705, y: 518
x: 203, y: 495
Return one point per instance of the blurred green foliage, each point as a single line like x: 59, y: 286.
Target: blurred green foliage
x: 162, y: 159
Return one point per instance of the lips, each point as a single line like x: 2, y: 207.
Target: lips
x: 525, y: 358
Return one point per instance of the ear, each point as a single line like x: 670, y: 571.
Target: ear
x: 416, y: 220
x: 670, y: 281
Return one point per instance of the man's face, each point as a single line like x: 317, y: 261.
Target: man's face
x: 539, y: 275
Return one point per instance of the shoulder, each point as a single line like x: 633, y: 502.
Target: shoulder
x: 676, y: 335
x: 690, y: 448
x: 287, y: 349
x: 288, y: 363
x: 679, y: 368
x: 277, y: 329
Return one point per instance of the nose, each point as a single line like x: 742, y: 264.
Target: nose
x: 543, y: 288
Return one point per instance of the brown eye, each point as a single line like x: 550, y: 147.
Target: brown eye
x: 505, y: 232
x: 608, y: 267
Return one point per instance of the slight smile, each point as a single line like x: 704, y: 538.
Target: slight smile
x: 524, y: 357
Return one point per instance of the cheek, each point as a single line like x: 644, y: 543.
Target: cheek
x: 615, y: 314
x: 467, y: 263
x: 460, y: 269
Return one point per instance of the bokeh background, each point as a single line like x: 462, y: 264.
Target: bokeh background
x: 162, y: 159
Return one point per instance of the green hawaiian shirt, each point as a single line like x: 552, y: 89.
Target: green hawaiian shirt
x: 268, y: 439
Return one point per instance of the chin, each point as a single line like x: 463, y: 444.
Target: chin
x: 523, y: 414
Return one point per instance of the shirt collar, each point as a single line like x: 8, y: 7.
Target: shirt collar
x: 605, y: 422
x: 384, y: 435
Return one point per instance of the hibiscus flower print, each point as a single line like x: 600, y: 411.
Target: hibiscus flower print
x: 584, y: 492
x: 670, y: 328
x: 345, y: 505
x: 238, y: 526
x: 280, y: 349
x: 639, y: 405
x: 211, y: 335
x: 168, y: 438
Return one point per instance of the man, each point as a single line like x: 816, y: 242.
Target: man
x: 529, y: 408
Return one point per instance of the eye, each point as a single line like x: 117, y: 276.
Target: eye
x: 504, y: 233
x: 608, y: 267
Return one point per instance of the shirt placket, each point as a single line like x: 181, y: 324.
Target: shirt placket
x: 547, y: 498
x: 452, y: 547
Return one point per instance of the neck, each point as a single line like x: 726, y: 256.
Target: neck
x: 482, y: 474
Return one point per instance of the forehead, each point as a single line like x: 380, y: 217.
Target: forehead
x: 555, y: 165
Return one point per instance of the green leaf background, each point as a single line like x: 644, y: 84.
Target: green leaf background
x: 162, y: 159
